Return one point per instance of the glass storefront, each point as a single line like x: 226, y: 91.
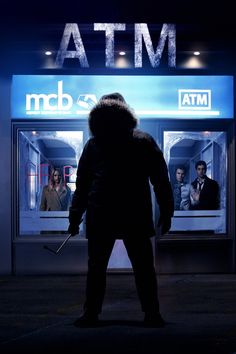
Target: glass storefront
x: 197, y: 163
x: 47, y: 171
x: 44, y: 204
x: 190, y: 128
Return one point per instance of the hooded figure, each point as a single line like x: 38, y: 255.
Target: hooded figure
x: 113, y: 187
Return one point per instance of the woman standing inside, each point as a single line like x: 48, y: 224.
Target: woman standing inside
x: 56, y: 196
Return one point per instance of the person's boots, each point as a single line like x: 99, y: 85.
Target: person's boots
x: 87, y: 319
x: 153, y: 319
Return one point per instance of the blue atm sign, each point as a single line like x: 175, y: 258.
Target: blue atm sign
x: 195, y: 99
x: 55, y: 97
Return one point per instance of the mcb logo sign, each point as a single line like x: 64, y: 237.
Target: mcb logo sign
x: 195, y: 99
x: 57, y: 102
x: 170, y: 97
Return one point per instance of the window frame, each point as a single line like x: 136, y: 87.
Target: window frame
x: 46, y: 125
x: 198, y: 126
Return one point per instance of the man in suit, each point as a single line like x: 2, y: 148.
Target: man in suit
x: 112, y: 186
x: 205, y: 191
x: 181, y: 190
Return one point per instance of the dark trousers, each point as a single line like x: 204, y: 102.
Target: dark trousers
x: 141, y: 256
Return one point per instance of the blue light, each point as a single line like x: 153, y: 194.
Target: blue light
x: 49, y: 96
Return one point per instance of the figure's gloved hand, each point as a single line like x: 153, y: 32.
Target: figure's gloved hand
x: 165, y: 224
x: 73, y: 229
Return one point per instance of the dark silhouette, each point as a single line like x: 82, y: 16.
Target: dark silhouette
x: 112, y: 186
x: 205, y: 194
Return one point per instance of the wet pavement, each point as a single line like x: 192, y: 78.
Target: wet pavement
x: 37, y: 314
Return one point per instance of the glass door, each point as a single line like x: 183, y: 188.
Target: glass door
x: 47, y: 169
x: 197, y: 163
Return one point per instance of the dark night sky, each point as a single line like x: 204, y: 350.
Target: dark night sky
x: 155, y: 11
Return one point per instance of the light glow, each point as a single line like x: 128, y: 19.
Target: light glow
x: 167, y: 113
x: 193, y: 63
x: 78, y: 135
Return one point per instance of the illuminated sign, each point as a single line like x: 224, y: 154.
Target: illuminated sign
x: 141, y: 34
x: 55, y: 97
x: 195, y: 99
x: 53, y: 102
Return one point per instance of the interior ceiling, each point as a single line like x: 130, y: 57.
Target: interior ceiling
x: 185, y: 143
x: 54, y: 143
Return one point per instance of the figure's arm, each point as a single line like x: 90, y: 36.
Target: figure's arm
x: 80, y: 196
x: 69, y: 197
x: 159, y: 178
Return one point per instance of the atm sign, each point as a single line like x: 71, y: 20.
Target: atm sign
x: 195, y: 99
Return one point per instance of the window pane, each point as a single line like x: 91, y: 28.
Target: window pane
x: 47, y: 171
x: 197, y: 165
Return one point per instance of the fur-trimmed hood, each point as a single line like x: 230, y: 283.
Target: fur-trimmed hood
x: 111, y: 117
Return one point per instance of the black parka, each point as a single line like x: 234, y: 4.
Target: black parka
x: 114, y: 174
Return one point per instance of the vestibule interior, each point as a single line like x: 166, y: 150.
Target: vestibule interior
x: 47, y: 147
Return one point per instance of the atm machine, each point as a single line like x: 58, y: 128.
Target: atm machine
x: 190, y: 117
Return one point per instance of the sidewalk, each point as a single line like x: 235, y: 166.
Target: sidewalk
x: 37, y: 314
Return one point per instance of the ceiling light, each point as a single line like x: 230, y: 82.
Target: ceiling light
x: 193, y: 63
x: 196, y: 53
x: 48, y: 52
x: 122, y: 53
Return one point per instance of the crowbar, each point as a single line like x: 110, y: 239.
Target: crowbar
x: 60, y: 247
